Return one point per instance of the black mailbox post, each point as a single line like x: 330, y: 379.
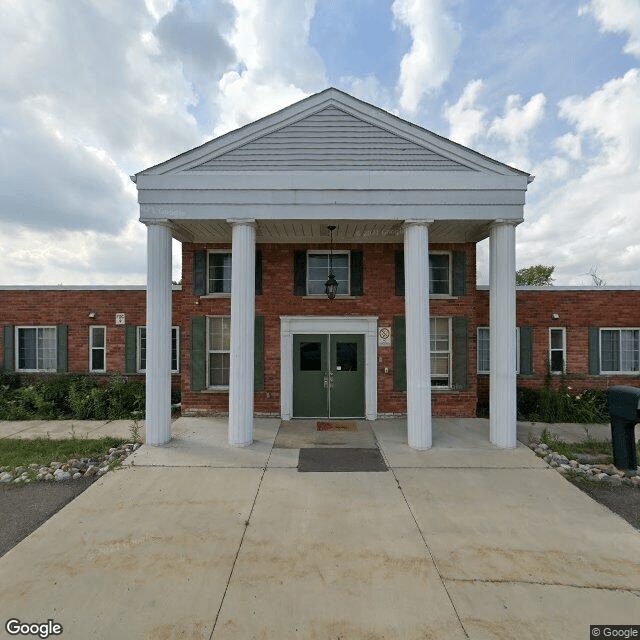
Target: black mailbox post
x: 624, y: 406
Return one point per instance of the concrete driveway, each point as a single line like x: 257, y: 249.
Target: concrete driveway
x: 199, y: 540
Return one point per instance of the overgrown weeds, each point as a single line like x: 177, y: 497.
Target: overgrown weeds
x: 79, y: 397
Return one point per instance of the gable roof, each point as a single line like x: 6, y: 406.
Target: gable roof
x: 330, y: 130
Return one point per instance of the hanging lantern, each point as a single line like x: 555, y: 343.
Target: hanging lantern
x: 331, y: 285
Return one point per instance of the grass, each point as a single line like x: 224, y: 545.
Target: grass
x: 589, y: 445
x: 43, y: 451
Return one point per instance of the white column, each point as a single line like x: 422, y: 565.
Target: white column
x: 502, y: 312
x: 158, y: 376
x: 243, y: 303
x: 416, y: 300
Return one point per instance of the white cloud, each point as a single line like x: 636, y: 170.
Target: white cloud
x: 617, y: 16
x: 435, y: 42
x: 275, y: 63
x: 516, y: 125
x: 466, y: 120
x: 505, y: 137
x: 592, y: 218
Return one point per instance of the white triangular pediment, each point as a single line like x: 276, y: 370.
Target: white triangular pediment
x: 331, y: 131
x: 330, y: 139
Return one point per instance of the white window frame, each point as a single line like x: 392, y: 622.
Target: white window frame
x: 341, y: 252
x: 619, y: 330
x: 17, y: 343
x: 175, y: 331
x: 449, y: 274
x: 217, y: 294
x: 447, y: 352
x: 487, y: 329
x: 103, y: 348
x: 224, y: 387
x: 564, y: 349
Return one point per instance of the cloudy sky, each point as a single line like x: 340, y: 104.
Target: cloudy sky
x: 92, y: 91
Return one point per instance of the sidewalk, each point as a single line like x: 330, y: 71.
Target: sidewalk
x: 199, y: 540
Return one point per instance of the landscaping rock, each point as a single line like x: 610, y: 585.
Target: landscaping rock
x: 5, y: 477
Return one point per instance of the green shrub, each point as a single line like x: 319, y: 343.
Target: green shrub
x: 551, y: 405
x: 76, y: 396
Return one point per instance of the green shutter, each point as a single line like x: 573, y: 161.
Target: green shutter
x: 460, y: 352
x: 459, y: 268
x: 62, y: 338
x: 526, y: 350
x: 258, y: 355
x: 130, y: 335
x: 299, y: 273
x: 594, y: 351
x: 357, y: 277
x: 399, y: 258
x: 258, y: 272
x: 399, y: 354
x: 8, y: 362
x: 200, y: 273
x: 198, y: 353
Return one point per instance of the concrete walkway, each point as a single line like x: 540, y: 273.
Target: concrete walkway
x: 199, y: 540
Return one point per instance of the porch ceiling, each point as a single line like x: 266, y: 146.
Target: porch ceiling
x: 347, y: 231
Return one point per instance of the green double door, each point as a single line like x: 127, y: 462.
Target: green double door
x: 328, y: 376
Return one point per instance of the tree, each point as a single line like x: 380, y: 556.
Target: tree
x: 538, y: 275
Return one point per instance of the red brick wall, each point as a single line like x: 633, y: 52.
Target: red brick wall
x: 277, y: 299
x: 578, y: 310
x: 71, y: 307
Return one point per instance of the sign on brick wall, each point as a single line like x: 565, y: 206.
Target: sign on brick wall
x: 384, y: 336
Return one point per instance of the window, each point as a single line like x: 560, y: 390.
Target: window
x: 619, y: 350
x: 218, y: 348
x: 440, y: 352
x: 557, y: 349
x: 141, y: 344
x: 439, y: 273
x: 484, y: 346
x: 318, y: 272
x: 219, y: 272
x: 36, y: 348
x: 97, y: 349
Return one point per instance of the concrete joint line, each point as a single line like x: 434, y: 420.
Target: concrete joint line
x: 426, y: 544
x: 541, y: 583
x: 244, y: 532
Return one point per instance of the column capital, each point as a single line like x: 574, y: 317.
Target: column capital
x: 503, y: 221
x: 243, y: 221
x: 161, y: 222
x: 417, y: 222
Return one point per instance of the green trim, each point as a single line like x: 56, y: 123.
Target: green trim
x: 399, y: 261
x: 200, y: 273
x: 459, y: 275
x: 8, y: 336
x: 460, y: 352
x: 62, y: 343
x: 357, y: 274
x: 258, y: 272
x: 594, y: 351
x: 299, y: 273
x: 258, y: 355
x: 526, y: 350
x: 130, y: 339
x: 198, y: 353
x: 399, y: 354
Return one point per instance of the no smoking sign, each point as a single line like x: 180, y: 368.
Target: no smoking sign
x: 384, y: 337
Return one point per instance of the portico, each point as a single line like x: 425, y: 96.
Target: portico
x: 332, y: 159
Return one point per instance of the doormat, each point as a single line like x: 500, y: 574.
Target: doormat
x: 337, y: 426
x: 330, y: 459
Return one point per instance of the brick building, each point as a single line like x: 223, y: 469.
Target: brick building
x: 263, y: 214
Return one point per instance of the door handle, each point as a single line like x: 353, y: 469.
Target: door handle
x: 328, y: 380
